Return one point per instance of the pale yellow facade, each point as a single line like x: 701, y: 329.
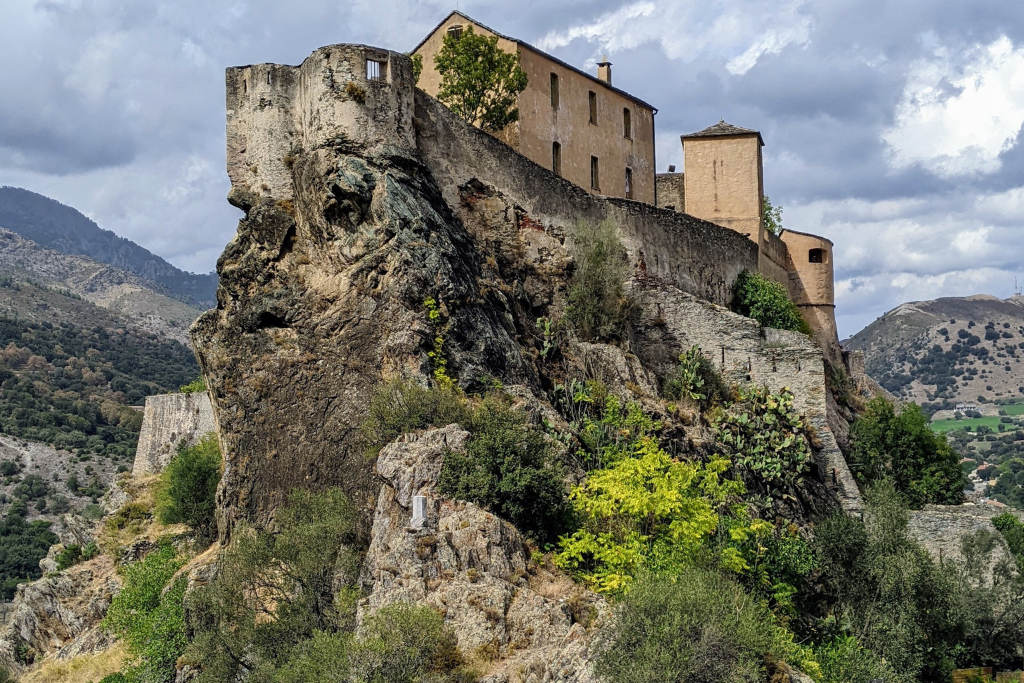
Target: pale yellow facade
x: 602, y: 154
x: 723, y: 181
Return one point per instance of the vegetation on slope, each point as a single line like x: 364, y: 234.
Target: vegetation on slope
x: 70, y: 386
x: 22, y: 545
x: 901, y: 447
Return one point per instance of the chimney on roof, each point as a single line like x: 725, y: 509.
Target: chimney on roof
x: 604, y: 70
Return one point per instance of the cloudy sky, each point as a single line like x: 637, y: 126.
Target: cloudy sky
x: 891, y: 127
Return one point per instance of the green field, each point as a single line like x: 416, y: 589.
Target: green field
x: 1013, y: 409
x: 973, y: 422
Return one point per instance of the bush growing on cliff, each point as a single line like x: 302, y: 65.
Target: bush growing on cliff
x: 697, y: 627
x: 902, y: 447
x: 767, y: 302
x: 599, y: 306
x: 148, y: 617
x: 188, y: 486
x: 508, y: 467
x: 274, y: 591
x: 403, y: 406
x: 646, y: 512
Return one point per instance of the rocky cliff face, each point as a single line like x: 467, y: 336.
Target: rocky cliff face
x: 358, y: 209
x: 529, y: 623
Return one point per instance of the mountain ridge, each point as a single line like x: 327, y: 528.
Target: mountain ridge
x: 63, y: 228
x: 941, y: 351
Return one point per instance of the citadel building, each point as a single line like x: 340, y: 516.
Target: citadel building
x: 579, y: 126
x: 602, y: 139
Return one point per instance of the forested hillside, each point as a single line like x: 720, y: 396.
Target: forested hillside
x: 52, y: 224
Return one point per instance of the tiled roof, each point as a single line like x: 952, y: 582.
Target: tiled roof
x: 723, y: 129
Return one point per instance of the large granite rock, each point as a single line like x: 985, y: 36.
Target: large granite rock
x: 530, y: 623
x: 60, y: 614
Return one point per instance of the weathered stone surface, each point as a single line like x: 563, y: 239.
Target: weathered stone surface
x: 620, y: 370
x: 941, y: 528
x: 60, y: 614
x: 168, y: 420
x: 475, y: 569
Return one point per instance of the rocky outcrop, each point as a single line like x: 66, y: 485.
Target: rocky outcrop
x: 169, y: 420
x: 60, y: 614
x: 526, y: 622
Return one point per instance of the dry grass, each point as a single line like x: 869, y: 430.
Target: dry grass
x: 81, y: 669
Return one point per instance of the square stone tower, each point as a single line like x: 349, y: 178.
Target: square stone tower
x: 724, y: 181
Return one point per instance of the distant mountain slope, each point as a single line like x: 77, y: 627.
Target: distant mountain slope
x: 948, y: 350
x: 62, y: 228
x: 139, y: 302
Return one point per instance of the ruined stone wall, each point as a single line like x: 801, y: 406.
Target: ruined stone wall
x: 941, y: 528
x: 168, y: 420
x: 673, y: 321
x: 697, y: 256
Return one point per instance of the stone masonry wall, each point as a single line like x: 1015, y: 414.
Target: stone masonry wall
x: 941, y: 528
x: 168, y: 420
x: 697, y: 256
x: 673, y: 321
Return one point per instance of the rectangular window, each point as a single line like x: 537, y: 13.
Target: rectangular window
x: 556, y: 158
x: 816, y: 255
x: 627, y: 125
x: 455, y: 32
x: 593, y: 107
x: 554, y: 91
x: 373, y: 70
x: 629, y: 183
x: 595, y: 176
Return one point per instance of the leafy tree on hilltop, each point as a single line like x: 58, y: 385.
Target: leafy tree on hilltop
x: 479, y: 81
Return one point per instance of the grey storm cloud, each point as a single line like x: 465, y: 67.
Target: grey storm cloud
x: 892, y: 128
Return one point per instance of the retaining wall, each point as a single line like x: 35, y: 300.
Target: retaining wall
x: 168, y: 420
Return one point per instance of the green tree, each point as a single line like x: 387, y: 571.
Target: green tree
x: 772, y: 216
x: 886, y: 591
x: 902, y: 447
x: 599, y: 307
x: 188, y: 485
x: 274, y: 592
x: 479, y: 81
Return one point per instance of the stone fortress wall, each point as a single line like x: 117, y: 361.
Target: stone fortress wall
x: 692, y: 262
x: 168, y: 420
x: 273, y: 110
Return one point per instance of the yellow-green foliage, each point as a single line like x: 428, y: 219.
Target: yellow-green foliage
x: 647, y: 511
x: 437, y: 357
